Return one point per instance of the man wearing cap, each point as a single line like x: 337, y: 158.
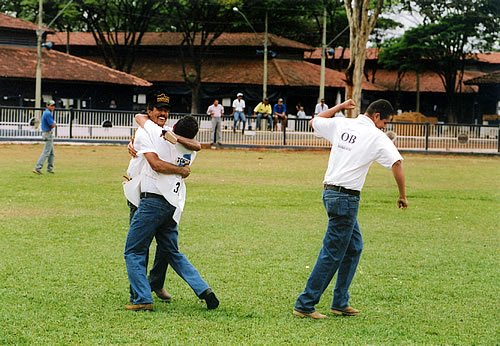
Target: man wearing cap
x: 263, y: 110
x: 47, y: 125
x: 356, y: 144
x: 320, y: 107
x: 162, y: 195
x: 239, y: 112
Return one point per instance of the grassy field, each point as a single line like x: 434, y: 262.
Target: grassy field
x: 253, y: 226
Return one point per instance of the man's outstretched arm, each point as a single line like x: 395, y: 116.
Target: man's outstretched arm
x: 399, y: 176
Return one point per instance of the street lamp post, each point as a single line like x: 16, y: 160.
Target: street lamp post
x: 39, y: 36
x: 264, y: 77
x: 38, y: 73
x: 323, y: 59
x: 324, y: 46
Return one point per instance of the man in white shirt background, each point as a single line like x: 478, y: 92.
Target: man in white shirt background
x: 216, y: 112
x: 239, y: 112
x: 356, y: 144
x: 320, y: 107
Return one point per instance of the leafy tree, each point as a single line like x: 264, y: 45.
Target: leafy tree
x: 201, y: 23
x: 450, y: 35
x: 118, y: 27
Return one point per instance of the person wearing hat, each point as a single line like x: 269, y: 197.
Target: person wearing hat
x: 47, y: 125
x: 162, y: 196
x: 239, y: 112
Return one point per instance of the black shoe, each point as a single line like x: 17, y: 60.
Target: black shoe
x: 209, y: 297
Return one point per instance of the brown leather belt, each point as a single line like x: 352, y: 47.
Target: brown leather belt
x: 342, y: 189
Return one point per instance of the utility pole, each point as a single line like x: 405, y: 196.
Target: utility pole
x: 323, y: 59
x: 264, y: 78
x: 38, y: 73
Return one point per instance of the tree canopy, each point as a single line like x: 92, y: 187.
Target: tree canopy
x: 450, y: 34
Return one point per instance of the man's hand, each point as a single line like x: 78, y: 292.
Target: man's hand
x: 185, y: 171
x: 130, y: 148
x: 348, y: 104
x: 402, y: 203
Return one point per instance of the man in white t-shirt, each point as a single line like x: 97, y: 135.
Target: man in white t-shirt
x: 320, y: 107
x: 356, y: 144
x: 162, y: 194
x: 239, y: 112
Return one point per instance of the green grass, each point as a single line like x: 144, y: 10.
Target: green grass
x: 253, y: 226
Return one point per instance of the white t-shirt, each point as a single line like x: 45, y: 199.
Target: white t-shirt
x: 320, y: 108
x: 171, y: 186
x: 356, y: 144
x: 239, y: 105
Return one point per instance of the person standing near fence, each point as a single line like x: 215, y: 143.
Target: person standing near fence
x: 216, y: 112
x: 356, y: 144
x: 239, y: 112
x: 47, y: 125
x: 320, y: 107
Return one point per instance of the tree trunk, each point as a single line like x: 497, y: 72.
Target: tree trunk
x: 362, y: 20
x: 195, y: 98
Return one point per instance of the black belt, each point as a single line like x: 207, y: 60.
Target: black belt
x: 151, y: 195
x: 341, y: 189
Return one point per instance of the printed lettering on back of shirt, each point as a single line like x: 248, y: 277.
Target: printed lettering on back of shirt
x: 347, y: 140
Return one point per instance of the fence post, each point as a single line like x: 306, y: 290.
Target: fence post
x: 284, y: 131
x: 427, y: 136
x: 71, y: 113
x: 498, y: 137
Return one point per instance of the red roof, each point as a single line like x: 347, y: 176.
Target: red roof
x: 18, y: 62
x: 429, y: 81
x: 237, y: 71
x: 371, y: 54
x: 490, y: 78
x: 175, y: 39
x: 10, y: 22
x: 491, y: 58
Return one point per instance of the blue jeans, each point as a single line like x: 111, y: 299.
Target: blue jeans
x: 341, y: 251
x: 265, y: 116
x: 158, y: 273
x: 154, y: 218
x: 47, y: 153
x: 239, y: 116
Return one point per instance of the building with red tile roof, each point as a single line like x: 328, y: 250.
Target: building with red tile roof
x: 402, y: 91
x: 69, y: 79
x: 233, y: 65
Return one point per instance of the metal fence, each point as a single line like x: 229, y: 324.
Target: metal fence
x: 19, y: 124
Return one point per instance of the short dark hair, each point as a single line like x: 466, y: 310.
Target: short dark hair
x: 381, y: 106
x: 186, y: 126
